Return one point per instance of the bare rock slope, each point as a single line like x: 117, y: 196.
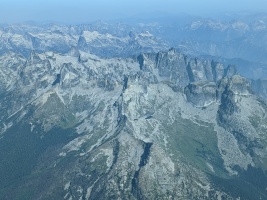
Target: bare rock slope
x: 158, y: 126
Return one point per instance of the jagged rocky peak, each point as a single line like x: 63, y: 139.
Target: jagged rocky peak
x: 230, y: 91
x: 198, y: 77
x: 38, y: 67
x: 227, y: 106
x: 240, y: 85
x: 69, y: 76
x: 202, y: 93
x: 205, y: 70
x: 11, y: 66
x: 33, y: 58
x: 178, y: 71
x: 12, y: 61
x: 230, y: 71
x: 168, y: 66
x: 82, y: 41
x: 28, y: 36
x: 178, y: 67
x: 217, y: 70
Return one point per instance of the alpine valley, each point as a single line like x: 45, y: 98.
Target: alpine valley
x: 106, y: 111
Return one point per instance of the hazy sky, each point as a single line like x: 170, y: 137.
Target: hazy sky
x: 76, y: 11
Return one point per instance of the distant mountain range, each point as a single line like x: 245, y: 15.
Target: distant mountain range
x: 241, y: 39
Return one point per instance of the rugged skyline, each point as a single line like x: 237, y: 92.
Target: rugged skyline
x: 81, y: 11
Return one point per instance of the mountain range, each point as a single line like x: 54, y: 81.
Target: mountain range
x: 94, y: 112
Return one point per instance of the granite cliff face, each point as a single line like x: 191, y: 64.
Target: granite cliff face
x: 156, y: 126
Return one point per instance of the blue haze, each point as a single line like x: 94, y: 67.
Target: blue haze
x: 80, y: 11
